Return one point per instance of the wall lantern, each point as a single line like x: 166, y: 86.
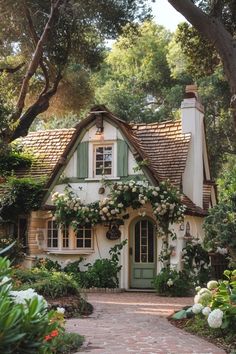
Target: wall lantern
x: 99, y: 124
x: 187, y: 234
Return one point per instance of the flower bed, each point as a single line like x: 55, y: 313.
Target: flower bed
x: 214, y: 312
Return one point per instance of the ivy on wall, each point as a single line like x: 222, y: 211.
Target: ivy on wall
x: 24, y: 195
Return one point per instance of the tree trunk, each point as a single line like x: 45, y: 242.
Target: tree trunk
x: 213, y: 29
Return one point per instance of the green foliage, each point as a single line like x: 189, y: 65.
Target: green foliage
x: 13, y: 160
x: 47, y: 264
x: 220, y: 227
x: 226, y: 182
x: 57, y: 285
x: 13, y: 248
x: 73, y: 267
x: 24, y: 195
x: 135, y: 81
x: 23, y: 325
x: 103, y: 273
x: 170, y: 282
x: 201, y: 57
x: 74, y: 47
x: 54, y: 285
x: 68, y: 343
x: 196, y: 262
x: 219, y: 297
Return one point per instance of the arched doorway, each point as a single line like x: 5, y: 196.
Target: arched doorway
x: 142, y: 253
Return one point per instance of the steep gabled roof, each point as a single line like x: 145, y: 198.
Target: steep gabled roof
x: 46, y: 147
x: 163, y: 145
x: 166, y: 147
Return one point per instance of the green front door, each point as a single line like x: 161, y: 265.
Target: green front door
x: 142, y: 254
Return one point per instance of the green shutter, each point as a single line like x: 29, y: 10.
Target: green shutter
x: 122, y: 158
x: 82, y: 160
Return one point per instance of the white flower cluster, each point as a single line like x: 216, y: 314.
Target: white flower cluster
x: 197, y: 308
x: 212, y: 284
x: 203, y: 296
x: 206, y: 311
x: 163, y: 199
x: 170, y: 282
x: 222, y: 251
x: 109, y: 209
x: 22, y: 296
x: 215, y: 318
x: 60, y: 310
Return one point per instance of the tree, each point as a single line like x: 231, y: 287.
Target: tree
x: 215, y: 21
x: 45, y: 38
x: 135, y: 80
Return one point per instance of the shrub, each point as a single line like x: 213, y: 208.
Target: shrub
x: 24, y: 319
x: 196, y: 262
x: 220, y: 298
x: 73, y: 267
x: 103, y: 273
x: 172, y: 283
x: 48, y: 264
x: 58, y: 284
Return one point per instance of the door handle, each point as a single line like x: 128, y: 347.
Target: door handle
x: 130, y: 251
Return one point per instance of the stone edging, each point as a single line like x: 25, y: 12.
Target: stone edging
x: 102, y: 290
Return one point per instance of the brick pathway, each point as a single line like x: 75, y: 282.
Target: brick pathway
x: 135, y: 323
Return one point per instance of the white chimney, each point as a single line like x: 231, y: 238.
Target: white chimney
x: 192, y: 122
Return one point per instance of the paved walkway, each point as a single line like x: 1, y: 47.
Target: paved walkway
x: 135, y: 323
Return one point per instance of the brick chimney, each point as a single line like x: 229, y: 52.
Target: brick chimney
x: 192, y: 113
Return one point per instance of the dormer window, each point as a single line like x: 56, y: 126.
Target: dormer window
x: 103, y: 160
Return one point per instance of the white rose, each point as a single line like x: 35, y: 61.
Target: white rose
x: 105, y: 210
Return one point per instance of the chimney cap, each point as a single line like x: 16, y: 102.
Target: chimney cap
x: 191, y: 91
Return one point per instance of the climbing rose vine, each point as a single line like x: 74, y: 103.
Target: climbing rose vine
x: 165, y: 201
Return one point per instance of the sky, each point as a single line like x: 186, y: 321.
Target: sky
x: 166, y: 15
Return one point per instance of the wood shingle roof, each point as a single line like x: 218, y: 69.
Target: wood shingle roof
x: 163, y: 145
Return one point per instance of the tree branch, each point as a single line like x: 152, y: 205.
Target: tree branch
x: 40, y: 106
x: 35, y: 41
x: 34, y: 63
x: 11, y: 70
x: 213, y: 29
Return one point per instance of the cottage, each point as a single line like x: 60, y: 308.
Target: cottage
x: 100, y: 149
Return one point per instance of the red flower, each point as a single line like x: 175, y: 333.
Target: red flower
x: 50, y: 336
x: 54, y: 333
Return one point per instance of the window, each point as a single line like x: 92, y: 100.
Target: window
x: 52, y: 234
x: 65, y: 237
x: 84, y: 237
x: 103, y: 160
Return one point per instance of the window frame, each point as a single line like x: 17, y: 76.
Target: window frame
x: 95, y: 147
x: 84, y: 237
x: 67, y: 244
x: 52, y: 229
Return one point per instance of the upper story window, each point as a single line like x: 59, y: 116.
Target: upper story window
x: 103, y: 160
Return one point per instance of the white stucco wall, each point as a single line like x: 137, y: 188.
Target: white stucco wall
x: 192, y: 122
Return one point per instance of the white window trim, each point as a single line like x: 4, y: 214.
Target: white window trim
x: 92, y: 145
x: 72, y: 249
